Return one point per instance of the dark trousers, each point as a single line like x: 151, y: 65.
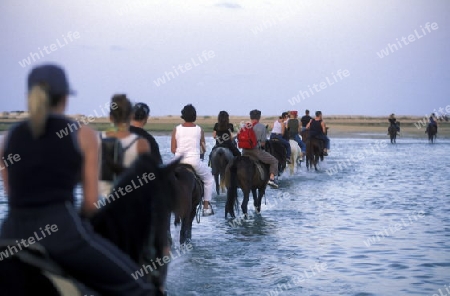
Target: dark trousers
x: 77, y: 249
x: 283, y: 141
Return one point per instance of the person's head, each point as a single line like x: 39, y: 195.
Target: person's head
x: 48, y: 89
x: 140, y: 112
x: 293, y: 114
x: 255, y: 114
x: 120, y: 109
x: 189, y: 114
x: 392, y: 115
x: 284, y: 116
x: 319, y: 114
x: 307, y: 112
x: 223, y: 119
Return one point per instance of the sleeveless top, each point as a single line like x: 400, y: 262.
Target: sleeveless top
x: 188, y: 141
x: 277, y: 128
x: 220, y: 138
x: 49, y: 167
x: 293, y: 127
x: 130, y: 155
x: 315, y: 128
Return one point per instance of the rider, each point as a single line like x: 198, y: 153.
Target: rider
x: 432, y: 122
x: 294, y: 129
x: 318, y: 129
x: 222, y: 133
x: 278, y: 130
x: 258, y: 152
x: 393, y: 122
x: 305, y: 119
x: 120, y: 115
x: 139, y: 119
x: 40, y: 188
x: 187, y: 141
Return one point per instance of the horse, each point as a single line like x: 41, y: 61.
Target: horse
x: 243, y: 172
x: 220, y: 158
x: 314, y: 152
x: 431, y: 131
x: 135, y: 223
x: 392, y: 130
x: 296, y: 157
x: 275, y: 148
x: 191, y: 188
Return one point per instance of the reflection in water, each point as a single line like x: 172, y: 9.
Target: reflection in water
x: 354, y: 220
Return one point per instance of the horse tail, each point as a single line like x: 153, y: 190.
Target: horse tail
x: 232, y: 188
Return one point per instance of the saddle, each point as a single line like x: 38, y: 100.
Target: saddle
x: 259, y: 167
x: 36, y: 256
x: 198, y: 180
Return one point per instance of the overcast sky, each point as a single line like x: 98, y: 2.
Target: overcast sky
x: 234, y: 55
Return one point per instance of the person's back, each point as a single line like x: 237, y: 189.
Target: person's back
x: 315, y: 127
x: 305, y: 119
x: 293, y: 127
x: 223, y: 134
x: 40, y: 189
x: 140, y: 115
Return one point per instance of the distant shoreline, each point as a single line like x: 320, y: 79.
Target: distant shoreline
x: 340, y: 126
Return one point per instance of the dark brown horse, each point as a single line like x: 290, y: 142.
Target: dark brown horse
x: 191, y: 188
x: 392, y: 130
x: 314, y: 150
x: 431, y: 131
x: 137, y: 223
x: 243, y: 173
x: 220, y: 158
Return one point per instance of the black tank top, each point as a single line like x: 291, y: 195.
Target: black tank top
x: 49, y: 167
x: 315, y: 128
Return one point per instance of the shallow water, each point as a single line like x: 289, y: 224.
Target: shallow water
x: 315, y: 235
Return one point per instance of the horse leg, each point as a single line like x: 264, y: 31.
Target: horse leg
x: 216, y: 180
x: 184, y: 230
x: 255, y: 201
x: 245, y: 202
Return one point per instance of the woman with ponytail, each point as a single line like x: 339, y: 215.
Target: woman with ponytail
x: 40, y: 188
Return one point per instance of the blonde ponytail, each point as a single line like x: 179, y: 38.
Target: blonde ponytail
x: 38, y: 108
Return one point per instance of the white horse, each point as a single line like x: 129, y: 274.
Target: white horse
x: 296, y: 156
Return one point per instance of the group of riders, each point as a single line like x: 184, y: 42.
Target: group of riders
x: 286, y: 127
x: 40, y: 187
x: 393, y: 123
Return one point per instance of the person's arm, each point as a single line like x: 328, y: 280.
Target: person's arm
x: 214, y: 134
x: 143, y: 146
x: 309, y: 124
x: 202, y: 142
x: 89, y: 146
x: 324, y: 128
x: 262, y: 138
x: 283, y: 128
x: 173, y: 142
x: 4, y: 170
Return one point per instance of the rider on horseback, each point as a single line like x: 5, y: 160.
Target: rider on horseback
x: 318, y: 130
x: 294, y: 129
x: 187, y: 142
x: 278, y: 132
x: 40, y: 189
x: 258, y: 152
x: 393, y: 122
x: 432, y: 122
x: 222, y: 133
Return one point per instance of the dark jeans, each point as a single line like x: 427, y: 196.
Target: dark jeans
x: 300, y: 142
x: 85, y: 255
x: 283, y: 141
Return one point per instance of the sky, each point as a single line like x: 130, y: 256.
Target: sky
x: 343, y: 57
